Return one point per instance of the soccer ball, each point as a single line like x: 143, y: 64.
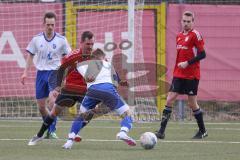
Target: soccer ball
x: 148, y: 140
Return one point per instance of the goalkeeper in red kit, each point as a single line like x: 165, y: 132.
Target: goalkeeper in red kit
x: 74, y: 87
x: 186, y: 75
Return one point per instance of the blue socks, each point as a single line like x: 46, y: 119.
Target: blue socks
x: 77, y: 125
x: 126, y: 124
x: 52, y: 127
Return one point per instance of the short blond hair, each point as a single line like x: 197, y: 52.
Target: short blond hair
x: 98, y: 53
x: 189, y: 14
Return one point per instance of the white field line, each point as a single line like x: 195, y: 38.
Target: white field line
x: 160, y: 141
x: 180, y: 123
x: 205, y: 142
x: 66, y: 126
x: 112, y: 127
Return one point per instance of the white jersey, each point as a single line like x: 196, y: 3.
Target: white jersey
x: 48, y: 52
x: 102, y: 71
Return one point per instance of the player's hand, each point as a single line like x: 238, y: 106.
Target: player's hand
x: 23, y: 77
x: 183, y: 65
x: 89, y: 78
x: 55, y: 92
x: 124, y: 83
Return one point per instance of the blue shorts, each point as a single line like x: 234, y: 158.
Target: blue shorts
x: 42, y: 85
x: 105, y: 93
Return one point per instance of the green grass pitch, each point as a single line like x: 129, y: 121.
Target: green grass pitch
x: 99, y: 142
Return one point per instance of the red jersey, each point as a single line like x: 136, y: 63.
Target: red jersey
x: 188, y: 46
x: 74, y: 81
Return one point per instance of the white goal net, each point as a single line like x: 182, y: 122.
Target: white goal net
x: 118, y: 27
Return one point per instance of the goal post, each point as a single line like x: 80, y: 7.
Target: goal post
x: 131, y: 51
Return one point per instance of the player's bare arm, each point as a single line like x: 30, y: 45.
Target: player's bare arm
x: 28, y: 65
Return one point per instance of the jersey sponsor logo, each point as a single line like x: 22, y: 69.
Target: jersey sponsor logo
x: 186, y: 39
x: 182, y: 47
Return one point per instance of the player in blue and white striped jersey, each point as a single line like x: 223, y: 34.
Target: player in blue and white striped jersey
x: 48, y: 48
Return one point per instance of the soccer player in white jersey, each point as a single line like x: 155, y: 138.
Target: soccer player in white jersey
x: 100, y: 77
x: 48, y: 47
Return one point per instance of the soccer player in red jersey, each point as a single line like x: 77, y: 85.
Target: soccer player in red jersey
x: 186, y: 74
x: 74, y: 85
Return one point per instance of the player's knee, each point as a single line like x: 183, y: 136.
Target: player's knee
x: 51, y: 103
x: 193, y: 106
x: 171, y: 98
x: 87, y: 116
x: 56, y: 110
x: 125, y: 114
x: 43, y: 110
x: 170, y: 101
